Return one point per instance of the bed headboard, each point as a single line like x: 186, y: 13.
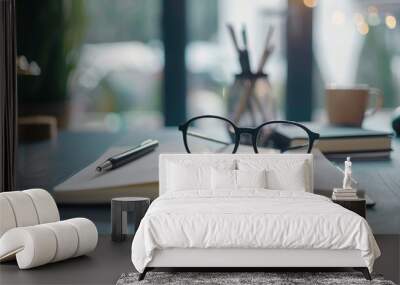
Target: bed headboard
x: 211, y: 159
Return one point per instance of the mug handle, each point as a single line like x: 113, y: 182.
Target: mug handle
x: 377, y: 93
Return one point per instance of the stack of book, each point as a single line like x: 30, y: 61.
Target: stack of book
x: 344, y: 194
x: 337, y: 142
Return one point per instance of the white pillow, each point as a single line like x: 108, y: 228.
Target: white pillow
x: 282, y: 174
x: 251, y: 178
x: 226, y: 179
x: 187, y: 174
x: 295, y: 180
x: 223, y: 179
x: 181, y: 178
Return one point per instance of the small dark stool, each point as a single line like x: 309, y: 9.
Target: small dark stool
x: 358, y: 206
x: 119, y: 208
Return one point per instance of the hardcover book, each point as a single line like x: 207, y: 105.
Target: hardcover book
x: 339, y: 140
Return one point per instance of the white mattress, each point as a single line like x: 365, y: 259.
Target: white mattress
x: 253, y: 219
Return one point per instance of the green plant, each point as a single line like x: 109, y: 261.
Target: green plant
x: 49, y: 32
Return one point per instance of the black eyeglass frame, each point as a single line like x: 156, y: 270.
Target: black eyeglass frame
x: 312, y: 136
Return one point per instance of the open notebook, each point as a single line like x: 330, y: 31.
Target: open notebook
x: 138, y: 178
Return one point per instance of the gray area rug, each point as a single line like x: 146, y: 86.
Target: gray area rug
x: 225, y: 278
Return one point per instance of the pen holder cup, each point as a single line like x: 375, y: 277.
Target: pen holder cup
x: 250, y: 102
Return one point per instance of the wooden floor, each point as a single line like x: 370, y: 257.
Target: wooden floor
x: 110, y: 260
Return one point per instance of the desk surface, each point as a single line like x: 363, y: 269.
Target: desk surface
x: 53, y: 163
x: 74, y: 151
x: 381, y: 181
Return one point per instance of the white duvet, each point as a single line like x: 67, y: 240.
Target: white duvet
x: 250, y: 219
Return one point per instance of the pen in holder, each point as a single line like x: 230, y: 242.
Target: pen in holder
x: 249, y: 100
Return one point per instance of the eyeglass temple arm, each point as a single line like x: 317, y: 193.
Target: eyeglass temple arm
x: 200, y: 136
x: 294, y: 147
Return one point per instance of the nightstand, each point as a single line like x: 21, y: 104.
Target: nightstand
x: 357, y: 206
x: 119, y: 208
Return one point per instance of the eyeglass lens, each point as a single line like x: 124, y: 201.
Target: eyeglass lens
x: 210, y: 135
x: 284, y: 137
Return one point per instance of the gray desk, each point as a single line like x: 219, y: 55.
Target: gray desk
x: 73, y: 151
x: 381, y: 181
x: 46, y: 164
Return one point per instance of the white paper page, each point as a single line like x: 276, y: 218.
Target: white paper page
x: 140, y: 171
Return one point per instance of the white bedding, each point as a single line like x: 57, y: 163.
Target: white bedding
x: 250, y: 219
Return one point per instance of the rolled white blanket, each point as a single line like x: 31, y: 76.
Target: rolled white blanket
x: 31, y: 231
x: 22, y: 207
x: 87, y: 235
x: 7, y: 220
x: 40, y: 244
x: 67, y: 240
x: 26, y: 208
x: 45, y: 206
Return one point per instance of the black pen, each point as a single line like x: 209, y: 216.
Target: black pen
x: 128, y: 156
x: 245, y: 52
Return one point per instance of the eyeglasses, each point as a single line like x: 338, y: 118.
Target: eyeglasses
x: 213, y: 134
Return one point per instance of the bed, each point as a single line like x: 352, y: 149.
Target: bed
x: 246, y: 211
